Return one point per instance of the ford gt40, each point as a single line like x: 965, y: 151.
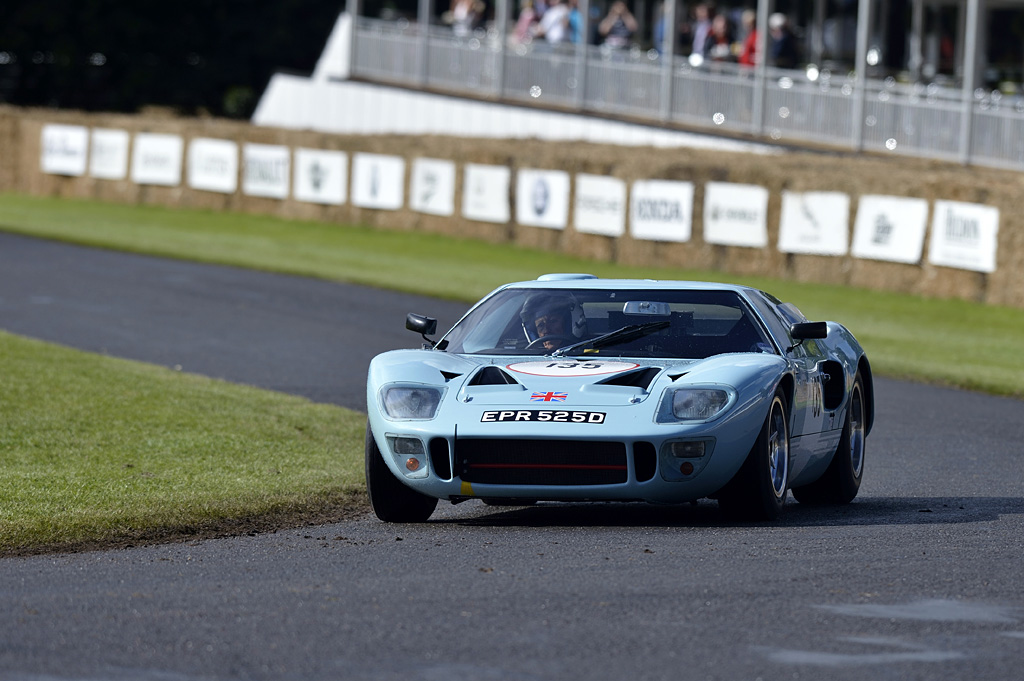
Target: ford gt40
x: 572, y: 387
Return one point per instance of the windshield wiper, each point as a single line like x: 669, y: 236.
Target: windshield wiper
x: 623, y: 335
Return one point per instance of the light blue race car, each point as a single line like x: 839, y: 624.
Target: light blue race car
x: 574, y: 388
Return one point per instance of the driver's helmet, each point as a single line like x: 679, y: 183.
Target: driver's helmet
x: 546, y: 303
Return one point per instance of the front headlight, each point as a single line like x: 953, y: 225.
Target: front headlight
x: 695, y: 403
x: 409, y: 402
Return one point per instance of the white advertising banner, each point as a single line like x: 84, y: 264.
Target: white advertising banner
x: 600, y: 205
x: 890, y: 228
x: 815, y: 222
x: 213, y: 165
x: 108, y: 159
x: 321, y: 176
x: 661, y: 210
x: 735, y: 214
x: 156, y: 159
x: 433, y: 186
x: 266, y: 170
x: 65, y: 149
x: 378, y: 181
x: 485, y: 193
x: 542, y: 198
x: 964, y: 235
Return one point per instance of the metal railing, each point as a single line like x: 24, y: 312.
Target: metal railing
x: 794, y: 106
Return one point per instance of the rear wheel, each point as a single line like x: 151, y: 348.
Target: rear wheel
x: 758, y: 491
x: 391, y: 499
x: 841, y: 480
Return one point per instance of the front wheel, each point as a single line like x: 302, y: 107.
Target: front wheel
x: 841, y: 480
x: 391, y: 499
x: 758, y: 491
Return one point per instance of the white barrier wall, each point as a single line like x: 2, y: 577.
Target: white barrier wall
x: 351, y: 108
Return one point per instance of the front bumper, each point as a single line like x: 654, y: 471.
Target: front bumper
x: 615, y: 458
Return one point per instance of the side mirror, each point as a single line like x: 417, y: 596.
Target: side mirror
x: 421, y: 325
x: 809, y: 330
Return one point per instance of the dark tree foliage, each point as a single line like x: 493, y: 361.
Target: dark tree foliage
x: 195, y: 56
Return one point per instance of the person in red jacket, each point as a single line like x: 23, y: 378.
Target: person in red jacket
x: 748, y: 52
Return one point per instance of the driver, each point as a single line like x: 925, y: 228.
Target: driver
x: 554, y: 315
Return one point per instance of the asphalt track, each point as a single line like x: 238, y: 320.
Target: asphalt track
x: 919, y: 578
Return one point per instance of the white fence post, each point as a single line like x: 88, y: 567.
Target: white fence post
x: 861, y: 70
x: 967, y: 111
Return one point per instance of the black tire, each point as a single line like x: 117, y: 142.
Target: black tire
x: 391, y: 499
x: 840, y: 482
x: 758, y: 490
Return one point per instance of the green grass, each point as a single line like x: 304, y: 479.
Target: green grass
x: 97, y: 451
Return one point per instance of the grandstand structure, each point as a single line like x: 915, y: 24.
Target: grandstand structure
x: 413, y: 76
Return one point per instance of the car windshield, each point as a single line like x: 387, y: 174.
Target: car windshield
x: 659, y: 323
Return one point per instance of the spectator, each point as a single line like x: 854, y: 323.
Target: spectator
x: 575, y: 22
x: 554, y: 25
x: 748, y: 52
x: 618, y: 27
x: 525, y: 24
x: 465, y: 16
x: 784, y: 53
x: 718, y: 46
x: 703, y: 15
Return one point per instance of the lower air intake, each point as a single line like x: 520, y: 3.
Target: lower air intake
x: 540, y: 462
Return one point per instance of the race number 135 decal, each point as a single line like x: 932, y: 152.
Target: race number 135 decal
x: 570, y: 368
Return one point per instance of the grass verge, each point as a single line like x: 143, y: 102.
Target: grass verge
x: 100, y: 452
x: 937, y: 341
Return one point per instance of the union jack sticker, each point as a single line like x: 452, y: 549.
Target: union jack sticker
x: 549, y: 397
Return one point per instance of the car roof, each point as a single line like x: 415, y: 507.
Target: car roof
x: 589, y: 281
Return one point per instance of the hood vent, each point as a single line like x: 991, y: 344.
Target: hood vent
x: 641, y: 378
x: 448, y: 375
x: 492, y: 375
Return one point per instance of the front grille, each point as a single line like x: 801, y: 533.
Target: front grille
x: 540, y: 462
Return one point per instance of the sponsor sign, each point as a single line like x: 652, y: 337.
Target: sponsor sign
x: 266, y: 170
x: 64, y: 149
x: 485, y: 193
x: 890, y: 228
x: 735, y: 214
x: 815, y: 222
x: 213, y: 165
x: 570, y: 368
x: 600, y: 206
x: 964, y: 235
x: 661, y: 210
x: 433, y: 186
x: 321, y: 176
x: 156, y: 159
x: 378, y: 181
x: 543, y: 416
x: 108, y: 159
x: 542, y: 198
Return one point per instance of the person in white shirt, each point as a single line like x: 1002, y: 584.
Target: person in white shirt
x: 554, y: 25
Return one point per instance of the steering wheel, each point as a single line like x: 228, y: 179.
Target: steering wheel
x: 551, y: 337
